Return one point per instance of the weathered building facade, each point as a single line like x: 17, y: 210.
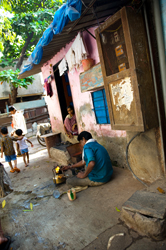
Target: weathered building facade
x: 145, y: 154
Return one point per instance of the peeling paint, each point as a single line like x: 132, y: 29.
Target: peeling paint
x: 122, y: 94
x: 86, y: 109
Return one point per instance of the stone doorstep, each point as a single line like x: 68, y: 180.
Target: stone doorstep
x: 145, y: 213
x: 147, y: 203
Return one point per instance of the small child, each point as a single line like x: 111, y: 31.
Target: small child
x: 8, y: 149
x: 23, y: 146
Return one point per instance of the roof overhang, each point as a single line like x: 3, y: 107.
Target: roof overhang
x: 94, y: 13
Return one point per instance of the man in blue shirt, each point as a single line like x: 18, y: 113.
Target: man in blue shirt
x: 98, y: 168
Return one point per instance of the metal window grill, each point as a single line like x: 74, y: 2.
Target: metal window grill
x: 100, y: 107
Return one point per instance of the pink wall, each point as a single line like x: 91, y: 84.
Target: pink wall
x: 82, y: 101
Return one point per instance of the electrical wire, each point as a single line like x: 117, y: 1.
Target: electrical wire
x: 114, y: 30
x: 84, y: 4
x: 127, y: 149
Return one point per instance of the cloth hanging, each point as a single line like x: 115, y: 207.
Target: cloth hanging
x: 62, y: 67
x: 48, y: 88
x: 80, y: 50
x: 70, y: 58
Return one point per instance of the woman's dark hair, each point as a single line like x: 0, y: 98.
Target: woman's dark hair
x: 84, y: 134
x: 4, y: 130
x: 19, y: 132
x: 70, y: 107
x: 11, y: 108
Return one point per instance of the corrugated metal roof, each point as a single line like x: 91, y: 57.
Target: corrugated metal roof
x: 98, y: 13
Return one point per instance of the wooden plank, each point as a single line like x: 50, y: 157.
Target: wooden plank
x: 91, y: 79
x: 49, y: 135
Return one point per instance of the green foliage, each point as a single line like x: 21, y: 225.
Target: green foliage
x: 6, y: 32
x: 23, y: 25
x: 10, y: 76
x: 5, y: 62
x: 30, y: 17
x: 20, y: 6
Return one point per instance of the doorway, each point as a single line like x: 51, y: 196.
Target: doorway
x: 64, y: 91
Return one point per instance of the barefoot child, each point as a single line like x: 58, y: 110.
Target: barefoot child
x: 23, y: 146
x: 8, y: 149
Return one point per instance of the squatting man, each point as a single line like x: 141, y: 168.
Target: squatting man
x: 95, y: 159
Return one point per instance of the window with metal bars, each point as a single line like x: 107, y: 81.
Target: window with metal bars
x: 100, y: 107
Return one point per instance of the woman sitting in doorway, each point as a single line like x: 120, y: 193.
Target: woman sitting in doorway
x: 70, y: 123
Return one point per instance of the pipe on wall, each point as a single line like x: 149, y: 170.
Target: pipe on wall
x: 154, y: 78
x: 161, y: 47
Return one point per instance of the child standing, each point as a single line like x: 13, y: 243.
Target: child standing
x: 23, y: 146
x: 8, y: 149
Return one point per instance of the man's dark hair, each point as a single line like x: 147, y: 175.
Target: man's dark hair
x: 18, y: 132
x: 84, y: 134
x: 4, y: 130
x: 11, y: 108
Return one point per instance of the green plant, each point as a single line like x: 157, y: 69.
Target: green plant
x: 11, y: 76
x: 27, y: 21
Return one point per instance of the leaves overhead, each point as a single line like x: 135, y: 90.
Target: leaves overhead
x: 21, y: 31
x: 11, y: 76
x: 9, y: 35
x: 29, y: 17
x: 20, y: 6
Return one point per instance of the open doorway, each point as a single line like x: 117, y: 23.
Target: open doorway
x: 64, y: 91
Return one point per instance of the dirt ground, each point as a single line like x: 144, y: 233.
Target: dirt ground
x: 86, y: 223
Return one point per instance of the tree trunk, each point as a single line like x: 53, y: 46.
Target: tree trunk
x: 13, y: 95
x: 20, y: 61
x: 14, y: 90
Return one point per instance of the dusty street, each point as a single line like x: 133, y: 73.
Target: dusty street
x: 86, y: 223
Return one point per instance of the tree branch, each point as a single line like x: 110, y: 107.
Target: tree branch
x: 21, y: 58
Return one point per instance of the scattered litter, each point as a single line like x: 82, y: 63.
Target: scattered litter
x: 111, y: 238
x: 62, y: 244
x: 46, y: 186
x: 79, y: 188
x: 161, y: 190
x: 41, y: 240
x: 28, y: 192
x: 71, y: 194
x: 31, y: 206
x: 47, y: 161
x: 29, y: 210
x: 56, y: 194
x: 117, y: 209
x: 17, y: 234
x: 35, y: 185
x: 3, y: 203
